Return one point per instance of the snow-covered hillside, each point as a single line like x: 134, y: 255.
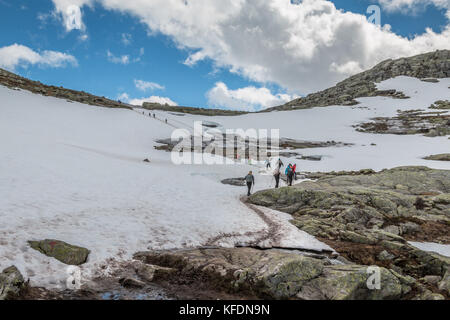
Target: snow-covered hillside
x: 75, y: 173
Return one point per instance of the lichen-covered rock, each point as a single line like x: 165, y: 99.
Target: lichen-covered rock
x: 270, y: 273
x: 238, y: 182
x: 62, y: 251
x: 441, y: 105
x: 439, y: 157
x: 445, y: 283
x: 11, y: 283
x: 428, y: 295
x: 151, y: 273
x: 278, y: 274
x: 350, y: 282
x: 384, y: 255
x: 432, y: 263
x: 373, y: 212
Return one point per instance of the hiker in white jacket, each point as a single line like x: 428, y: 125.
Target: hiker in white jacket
x: 277, y: 173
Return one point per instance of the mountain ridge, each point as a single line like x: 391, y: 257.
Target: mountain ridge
x: 434, y: 64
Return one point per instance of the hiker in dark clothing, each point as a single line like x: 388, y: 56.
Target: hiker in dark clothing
x: 268, y: 164
x: 280, y: 163
x: 276, y: 175
x: 250, y: 180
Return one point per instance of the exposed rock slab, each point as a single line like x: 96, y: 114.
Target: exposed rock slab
x: 11, y: 283
x: 431, y: 124
x: 62, y: 251
x: 439, y: 157
x: 276, y: 274
x: 238, y: 182
x: 363, y: 215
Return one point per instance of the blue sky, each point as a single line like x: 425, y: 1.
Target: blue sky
x: 114, y: 48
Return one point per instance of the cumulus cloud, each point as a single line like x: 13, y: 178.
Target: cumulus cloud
x: 17, y: 55
x: 70, y: 13
x: 301, y: 46
x: 247, y: 99
x: 145, y: 85
x: 154, y: 99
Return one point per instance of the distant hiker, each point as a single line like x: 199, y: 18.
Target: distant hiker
x: 289, y: 174
x: 276, y: 175
x: 166, y: 121
x: 280, y: 163
x: 294, y: 170
x: 154, y: 115
x: 149, y: 114
x: 277, y: 172
x: 250, y: 180
x: 268, y: 165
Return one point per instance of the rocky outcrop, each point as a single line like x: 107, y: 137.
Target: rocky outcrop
x: 191, y: 110
x: 431, y: 124
x: 439, y: 157
x: 237, y: 182
x: 278, y: 274
x: 369, y: 218
x: 430, y: 65
x: 444, y: 285
x: 14, y: 81
x: 441, y: 105
x: 11, y: 283
x: 64, y: 252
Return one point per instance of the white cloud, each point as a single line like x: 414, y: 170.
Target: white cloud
x: 347, y: 69
x: 18, y: 55
x: 70, y: 13
x: 144, y: 85
x: 248, y: 98
x: 124, y: 59
x: 302, y: 47
x: 83, y: 37
x: 138, y: 102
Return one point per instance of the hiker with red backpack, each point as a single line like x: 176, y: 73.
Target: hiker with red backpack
x: 289, y: 174
x: 294, y: 170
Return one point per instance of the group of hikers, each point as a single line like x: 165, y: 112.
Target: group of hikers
x: 153, y: 115
x: 290, y: 172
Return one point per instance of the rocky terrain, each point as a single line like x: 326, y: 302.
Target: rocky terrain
x: 191, y: 110
x: 238, y: 148
x: 370, y: 217
x: 367, y: 217
x: 430, y: 124
x: 13, y: 81
x: 425, y: 66
x: 441, y: 105
x: 439, y: 157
